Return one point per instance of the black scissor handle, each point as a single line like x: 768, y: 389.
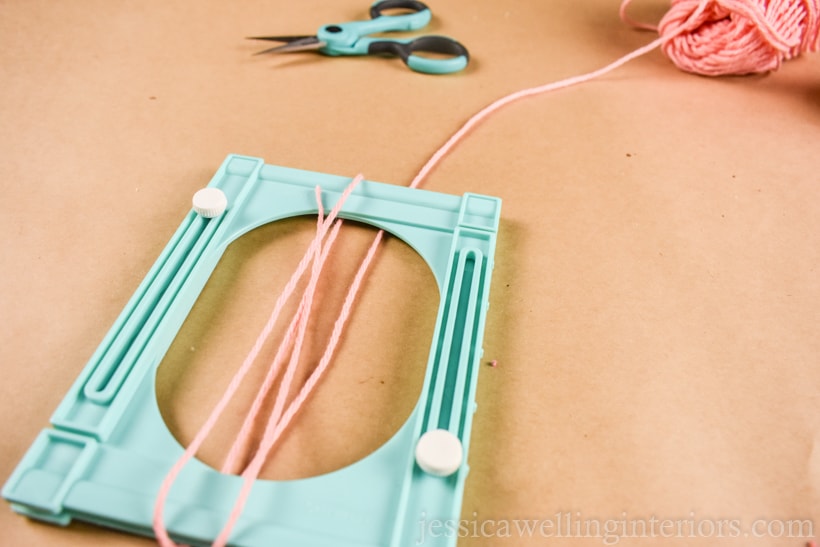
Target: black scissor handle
x: 412, y: 5
x: 455, y: 55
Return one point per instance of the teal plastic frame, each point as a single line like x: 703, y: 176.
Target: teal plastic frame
x: 109, y: 449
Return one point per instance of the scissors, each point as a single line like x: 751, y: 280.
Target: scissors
x: 444, y: 55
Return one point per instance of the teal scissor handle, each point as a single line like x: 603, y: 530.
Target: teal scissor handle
x: 456, y: 54
x: 351, y: 38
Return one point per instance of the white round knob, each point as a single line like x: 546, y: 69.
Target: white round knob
x: 210, y: 202
x: 439, y: 453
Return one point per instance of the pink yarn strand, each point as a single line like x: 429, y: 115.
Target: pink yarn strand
x: 632, y: 22
x: 160, y: 530
x: 252, y: 471
x: 231, y: 464
x: 159, y: 526
x: 275, y: 426
x: 477, y: 118
x: 338, y: 329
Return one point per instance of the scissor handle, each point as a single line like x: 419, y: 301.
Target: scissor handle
x: 341, y: 38
x: 377, y: 9
x: 456, y: 54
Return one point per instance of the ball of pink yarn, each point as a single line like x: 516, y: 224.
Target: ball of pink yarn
x: 717, y: 37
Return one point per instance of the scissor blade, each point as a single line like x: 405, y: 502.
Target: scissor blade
x: 305, y: 44
x: 288, y: 39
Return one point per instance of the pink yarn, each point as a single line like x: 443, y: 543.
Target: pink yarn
x: 250, y: 474
x: 160, y: 530
x: 736, y: 37
x: 275, y: 425
x: 297, y: 325
x: 498, y: 104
